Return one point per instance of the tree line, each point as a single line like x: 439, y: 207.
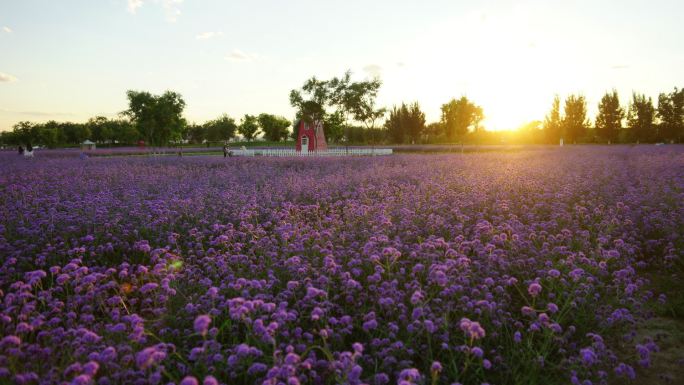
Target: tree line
x: 639, y: 122
x: 155, y: 119
x: 350, y: 115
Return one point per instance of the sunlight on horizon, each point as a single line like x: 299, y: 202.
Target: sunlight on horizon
x: 510, y: 58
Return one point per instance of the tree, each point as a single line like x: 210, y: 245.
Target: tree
x: 394, y: 126
x: 640, y: 118
x: 609, y: 118
x: 123, y: 132
x: 335, y: 127
x: 220, y: 129
x: 434, y: 131
x: 274, y: 127
x: 101, y: 129
x: 22, y: 132
x: 531, y: 132
x: 45, y: 134
x: 75, y: 133
x: 310, y: 102
x: 458, y: 116
x: 249, y: 127
x: 196, y: 133
x: 406, y: 122
x: 575, y: 122
x: 671, y: 115
x: 355, y: 101
x: 415, y: 122
x: 9, y: 138
x: 338, y: 103
x: 157, y: 117
x: 359, y: 99
x: 552, y: 123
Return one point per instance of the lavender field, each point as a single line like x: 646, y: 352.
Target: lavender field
x: 533, y: 266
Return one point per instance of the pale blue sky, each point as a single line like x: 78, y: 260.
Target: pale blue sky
x: 73, y: 59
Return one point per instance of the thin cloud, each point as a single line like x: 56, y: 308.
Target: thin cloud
x: 38, y: 114
x: 373, y: 69
x: 170, y: 8
x: 208, y: 35
x: 7, y: 78
x: 133, y: 5
x: 619, y: 67
x: 238, y: 55
x: 7, y: 29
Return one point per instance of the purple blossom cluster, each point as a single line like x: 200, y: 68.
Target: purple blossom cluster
x: 413, y: 269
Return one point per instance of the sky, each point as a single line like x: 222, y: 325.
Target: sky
x: 70, y: 60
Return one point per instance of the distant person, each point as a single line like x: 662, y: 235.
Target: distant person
x: 83, y: 156
x: 225, y: 151
x: 29, y: 151
x: 21, y: 150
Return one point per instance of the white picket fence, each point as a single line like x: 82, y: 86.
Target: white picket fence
x: 329, y: 152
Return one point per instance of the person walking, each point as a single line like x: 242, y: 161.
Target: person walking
x: 21, y: 150
x: 225, y: 151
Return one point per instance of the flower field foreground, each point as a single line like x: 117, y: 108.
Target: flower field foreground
x: 500, y: 268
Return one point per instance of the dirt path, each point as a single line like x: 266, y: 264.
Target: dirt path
x: 667, y: 365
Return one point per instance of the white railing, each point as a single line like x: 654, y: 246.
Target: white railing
x: 328, y: 152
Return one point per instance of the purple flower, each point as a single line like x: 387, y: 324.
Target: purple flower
x: 625, y: 370
x: 534, y: 289
x: 257, y: 368
x: 588, y: 356
x: 436, y: 368
x: 477, y: 352
x: 189, y: 380
x: 527, y: 311
x: 10, y: 340
x: 148, y: 287
x: 149, y: 357
x: 201, y: 324
x: 517, y: 337
x: 358, y: 348
x: 472, y: 329
x: 91, y: 368
x: 370, y: 325
x: 82, y: 379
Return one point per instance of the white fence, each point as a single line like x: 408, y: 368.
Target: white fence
x: 329, y: 152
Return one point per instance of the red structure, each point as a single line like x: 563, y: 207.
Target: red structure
x: 310, y: 137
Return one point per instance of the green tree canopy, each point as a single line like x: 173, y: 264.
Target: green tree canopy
x: 157, y: 117
x: 552, y: 123
x: 640, y: 118
x: 221, y: 129
x: 274, y: 127
x: 101, y: 129
x: 459, y: 116
x: 609, y: 118
x: 575, y: 122
x: 196, y: 133
x: 405, y: 123
x: 249, y: 127
x: 671, y: 115
x: 338, y: 103
x: 75, y: 133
